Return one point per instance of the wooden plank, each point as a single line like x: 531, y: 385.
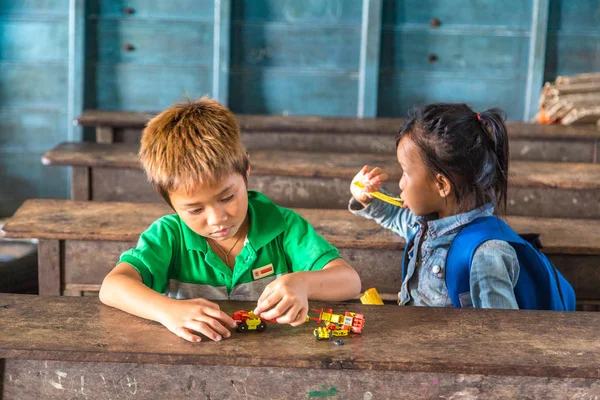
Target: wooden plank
x: 221, y: 50
x: 368, y: 74
x: 495, y: 342
x: 33, y: 378
x: 49, y: 271
x: 81, y: 184
x: 537, y: 57
x: 311, y: 124
x: 112, y: 221
x: 576, y: 176
x: 155, y: 10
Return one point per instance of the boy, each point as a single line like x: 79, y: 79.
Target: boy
x: 224, y: 242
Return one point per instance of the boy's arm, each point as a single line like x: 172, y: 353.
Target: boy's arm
x: 123, y: 289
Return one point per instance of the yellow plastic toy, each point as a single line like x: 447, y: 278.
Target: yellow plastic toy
x: 396, y: 201
x: 370, y: 296
x: 325, y: 332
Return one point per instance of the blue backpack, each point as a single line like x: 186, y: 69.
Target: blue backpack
x: 540, y: 286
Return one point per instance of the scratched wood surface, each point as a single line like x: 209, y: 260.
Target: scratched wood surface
x: 308, y: 164
x: 516, y: 343
x: 275, y: 123
x: 120, y: 221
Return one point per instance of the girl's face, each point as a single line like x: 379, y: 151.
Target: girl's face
x: 216, y: 212
x: 421, y: 191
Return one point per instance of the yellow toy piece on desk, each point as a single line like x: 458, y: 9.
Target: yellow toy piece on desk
x: 396, y: 201
x: 370, y: 296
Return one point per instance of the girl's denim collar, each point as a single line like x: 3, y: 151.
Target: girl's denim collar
x: 440, y: 227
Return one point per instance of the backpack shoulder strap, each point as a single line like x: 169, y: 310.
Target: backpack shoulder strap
x: 462, y: 249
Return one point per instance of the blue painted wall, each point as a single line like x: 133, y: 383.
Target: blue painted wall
x: 296, y: 57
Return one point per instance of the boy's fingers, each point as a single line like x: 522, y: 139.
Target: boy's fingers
x: 218, y: 315
x: 268, y: 302
x: 187, y: 335
x: 301, y: 318
x: 203, y: 328
x: 265, y: 294
x: 277, y: 311
x: 215, y: 325
x: 291, y: 315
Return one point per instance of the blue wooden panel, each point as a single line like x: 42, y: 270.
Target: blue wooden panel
x: 221, y: 51
x: 271, y: 45
x: 154, y: 42
x: 368, y: 76
x: 296, y: 11
x: 471, y: 54
x: 30, y: 129
x: 572, y: 54
x: 34, y: 41
x: 574, y: 15
x: 537, y: 57
x: 267, y: 91
x: 22, y: 176
x: 34, y: 86
x: 154, y: 9
x: 131, y: 87
x: 513, y: 14
x: 399, y: 92
x: 34, y: 8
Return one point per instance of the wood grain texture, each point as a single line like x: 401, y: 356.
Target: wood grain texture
x: 577, y: 176
x: 386, y: 126
x: 521, y: 343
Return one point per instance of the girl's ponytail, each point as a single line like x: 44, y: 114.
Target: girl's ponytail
x: 492, y: 123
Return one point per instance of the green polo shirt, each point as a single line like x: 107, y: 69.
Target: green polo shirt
x: 174, y: 260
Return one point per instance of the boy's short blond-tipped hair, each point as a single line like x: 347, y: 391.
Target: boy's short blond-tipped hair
x: 191, y: 144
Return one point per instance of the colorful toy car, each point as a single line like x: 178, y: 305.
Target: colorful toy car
x: 248, y: 321
x: 328, y: 332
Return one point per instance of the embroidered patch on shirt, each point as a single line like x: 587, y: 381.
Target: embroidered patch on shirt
x: 263, y: 271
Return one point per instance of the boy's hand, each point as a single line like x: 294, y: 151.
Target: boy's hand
x: 184, y: 317
x: 285, y: 300
x: 372, y: 179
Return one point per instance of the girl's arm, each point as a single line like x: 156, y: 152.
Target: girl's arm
x: 494, y: 274
x: 397, y: 219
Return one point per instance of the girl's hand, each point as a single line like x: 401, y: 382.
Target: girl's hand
x: 185, y: 317
x: 373, y: 180
x: 285, y: 300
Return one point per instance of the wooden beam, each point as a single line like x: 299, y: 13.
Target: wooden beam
x: 537, y: 57
x: 105, y: 134
x: 81, y: 184
x: 221, y: 48
x: 368, y: 74
x: 49, y: 272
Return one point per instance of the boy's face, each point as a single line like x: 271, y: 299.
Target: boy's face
x: 217, y: 211
x: 418, y: 186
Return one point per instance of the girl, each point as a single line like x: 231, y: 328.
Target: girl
x: 455, y: 168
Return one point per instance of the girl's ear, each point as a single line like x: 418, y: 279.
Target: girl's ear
x: 443, y: 185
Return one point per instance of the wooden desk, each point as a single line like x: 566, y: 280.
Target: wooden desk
x: 80, y: 242
x: 112, y: 172
x: 65, y: 347
x: 371, y: 135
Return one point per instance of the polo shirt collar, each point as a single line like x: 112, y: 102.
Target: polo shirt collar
x: 260, y: 208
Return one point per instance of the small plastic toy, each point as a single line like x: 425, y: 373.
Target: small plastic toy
x: 248, y: 321
x: 337, y: 324
x: 396, y: 201
x: 371, y: 296
x: 338, y: 342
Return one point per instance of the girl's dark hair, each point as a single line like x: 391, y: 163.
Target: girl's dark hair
x: 469, y: 149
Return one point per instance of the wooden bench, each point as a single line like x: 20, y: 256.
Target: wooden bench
x: 58, y: 347
x: 372, y: 135
x: 111, y: 172
x: 80, y: 242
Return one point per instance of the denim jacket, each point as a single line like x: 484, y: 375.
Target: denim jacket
x: 494, y: 269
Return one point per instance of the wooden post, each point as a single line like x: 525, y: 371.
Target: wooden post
x: 221, y: 44
x: 105, y: 134
x: 81, y: 184
x: 368, y: 75
x: 537, y: 56
x: 49, y: 267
